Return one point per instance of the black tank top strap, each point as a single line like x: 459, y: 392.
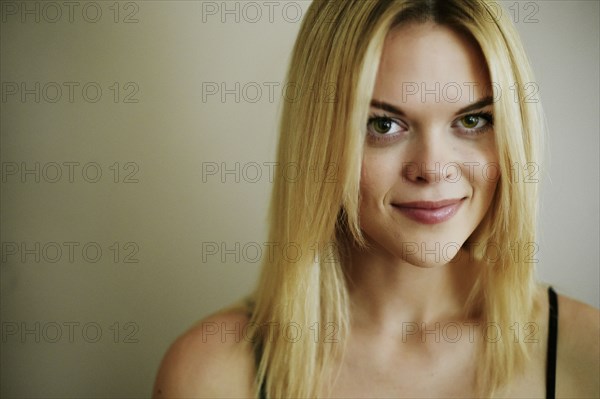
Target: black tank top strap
x: 552, y: 341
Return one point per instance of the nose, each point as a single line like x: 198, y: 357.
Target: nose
x: 429, y: 160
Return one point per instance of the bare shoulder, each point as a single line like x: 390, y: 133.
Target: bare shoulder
x: 211, y: 360
x: 578, y: 351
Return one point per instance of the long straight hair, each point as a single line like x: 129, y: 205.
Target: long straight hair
x: 301, y: 296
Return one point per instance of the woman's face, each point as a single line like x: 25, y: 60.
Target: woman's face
x: 429, y: 168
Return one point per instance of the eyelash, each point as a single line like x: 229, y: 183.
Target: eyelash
x: 471, y: 132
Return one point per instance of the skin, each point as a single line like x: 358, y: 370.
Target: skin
x: 391, y: 287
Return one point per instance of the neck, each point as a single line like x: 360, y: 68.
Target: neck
x: 386, y: 292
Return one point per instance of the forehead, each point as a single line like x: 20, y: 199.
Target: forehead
x: 430, y: 56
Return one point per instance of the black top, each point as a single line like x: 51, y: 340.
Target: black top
x: 550, y: 358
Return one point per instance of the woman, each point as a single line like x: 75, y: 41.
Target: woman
x: 410, y: 272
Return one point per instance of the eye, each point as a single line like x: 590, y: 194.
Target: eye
x: 383, y: 125
x: 473, y: 121
x: 475, y: 124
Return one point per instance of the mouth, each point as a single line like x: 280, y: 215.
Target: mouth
x: 430, y: 212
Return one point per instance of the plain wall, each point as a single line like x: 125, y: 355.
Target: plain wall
x: 81, y: 323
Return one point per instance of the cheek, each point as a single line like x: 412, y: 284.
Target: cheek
x: 491, y: 167
x: 378, y: 176
x: 487, y: 187
x: 480, y: 160
x: 486, y: 174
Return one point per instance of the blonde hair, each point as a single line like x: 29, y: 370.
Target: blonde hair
x: 340, y: 44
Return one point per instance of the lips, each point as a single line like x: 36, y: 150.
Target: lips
x: 430, y: 212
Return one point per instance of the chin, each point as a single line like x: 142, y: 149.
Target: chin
x: 419, y: 250
x: 429, y: 254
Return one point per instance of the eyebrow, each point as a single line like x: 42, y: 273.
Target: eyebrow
x: 471, y: 107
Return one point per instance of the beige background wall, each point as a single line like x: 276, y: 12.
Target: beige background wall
x: 108, y: 249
